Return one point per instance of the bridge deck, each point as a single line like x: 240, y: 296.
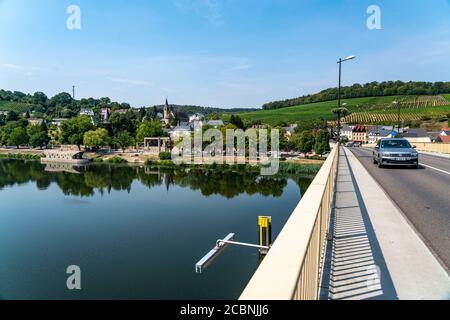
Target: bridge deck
x: 375, y: 253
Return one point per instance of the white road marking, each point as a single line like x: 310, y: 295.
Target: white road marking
x: 446, y: 172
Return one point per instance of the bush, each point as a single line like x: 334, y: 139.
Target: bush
x: 116, y: 160
x: 21, y: 156
x: 97, y: 160
x: 294, y: 168
x: 165, y: 156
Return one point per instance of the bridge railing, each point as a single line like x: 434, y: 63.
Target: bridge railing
x: 292, y: 268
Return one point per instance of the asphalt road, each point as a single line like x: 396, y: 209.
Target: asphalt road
x: 422, y: 194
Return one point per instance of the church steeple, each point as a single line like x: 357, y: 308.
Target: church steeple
x: 168, y: 112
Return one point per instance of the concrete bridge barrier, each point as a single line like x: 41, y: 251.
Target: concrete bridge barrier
x: 292, y: 268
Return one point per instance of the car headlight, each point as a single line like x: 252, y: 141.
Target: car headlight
x: 385, y: 154
x: 414, y: 154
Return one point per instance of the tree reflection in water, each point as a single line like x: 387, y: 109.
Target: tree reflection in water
x: 85, y: 181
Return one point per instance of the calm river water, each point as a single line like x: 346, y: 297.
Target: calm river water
x: 135, y: 233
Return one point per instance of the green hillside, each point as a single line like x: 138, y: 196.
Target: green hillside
x: 417, y: 105
x: 18, y: 107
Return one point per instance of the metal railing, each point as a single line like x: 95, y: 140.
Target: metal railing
x: 292, y: 269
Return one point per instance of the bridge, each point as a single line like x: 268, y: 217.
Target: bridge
x: 360, y: 232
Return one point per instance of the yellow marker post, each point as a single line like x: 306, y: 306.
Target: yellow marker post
x: 265, y: 233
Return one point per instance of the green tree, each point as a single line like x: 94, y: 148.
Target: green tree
x: 97, y: 138
x: 123, y: 122
x: 73, y: 130
x: 38, y: 135
x: 304, y: 142
x: 39, y: 139
x: 12, y: 116
x: 149, y: 129
x: 322, y: 142
x: 123, y: 140
x: 237, y: 121
x: 18, y: 137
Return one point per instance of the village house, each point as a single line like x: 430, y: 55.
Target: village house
x: 347, y: 132
x: 360, y: 134
x: 105, y: 113
x: 89, y: 113
x: 445, y: 132
x: 416, y: 135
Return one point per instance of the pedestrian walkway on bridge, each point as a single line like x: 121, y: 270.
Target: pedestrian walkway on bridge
x: 375, y: 252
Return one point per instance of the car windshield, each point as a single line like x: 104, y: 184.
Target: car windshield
x: 395, y: 144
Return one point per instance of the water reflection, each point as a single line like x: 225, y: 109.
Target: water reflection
x: 84, y: 181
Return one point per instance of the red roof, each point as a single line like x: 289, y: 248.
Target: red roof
x: 360, y: 128
x: 445, y: 129
x: 443, y: 139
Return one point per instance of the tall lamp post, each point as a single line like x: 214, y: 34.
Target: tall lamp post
x: 396, y: 104
x: 339, y: 91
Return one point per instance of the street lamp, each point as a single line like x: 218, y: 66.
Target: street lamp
x: 396, y: 104
x: 339, y: 90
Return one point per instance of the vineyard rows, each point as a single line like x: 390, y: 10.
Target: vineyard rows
x: 409, y: 103
x: 366, y: 117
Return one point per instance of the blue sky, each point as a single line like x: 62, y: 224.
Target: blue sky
x: 223, y: 53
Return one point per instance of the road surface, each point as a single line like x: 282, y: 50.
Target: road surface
x: 422, y: 194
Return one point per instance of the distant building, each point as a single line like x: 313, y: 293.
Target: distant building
x: 179, y: 132
x: 347, y: 132
x: 196, y: 117
x: 168, y: 114
x: 379, y: 132
x: 122, y: 111
x: 415, y: 135
x: 57, y: 122
x: 288, y: 131
x: 87, y: 112
x: 360, y: 134
x: 36, y: 121
x: 215, y: 123
x: 445, y: 132
x: 443, y: 139
x: 105, y: 113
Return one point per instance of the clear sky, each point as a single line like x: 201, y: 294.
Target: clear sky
x: 222, y: 53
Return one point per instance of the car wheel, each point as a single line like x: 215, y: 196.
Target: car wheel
x: 375, y: 161
x: 379, y: 164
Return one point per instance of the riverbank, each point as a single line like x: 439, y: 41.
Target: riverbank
x: 298, y: 166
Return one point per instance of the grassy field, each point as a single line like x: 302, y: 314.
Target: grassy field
x: 373, y: 106
x: 14, y: 106
x: 447, y: 96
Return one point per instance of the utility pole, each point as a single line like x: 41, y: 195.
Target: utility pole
x: 398, y: 116
x: 339, y: 93
x: 73, y: 92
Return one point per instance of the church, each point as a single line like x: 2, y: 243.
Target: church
x: 168, y: 113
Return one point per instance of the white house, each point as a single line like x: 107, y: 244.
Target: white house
x: 196, y: 117
x: 347, y: 131
x: 87, y: 112
x: 179, y: 132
